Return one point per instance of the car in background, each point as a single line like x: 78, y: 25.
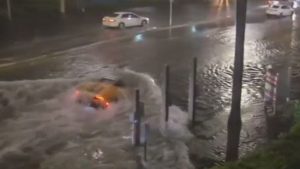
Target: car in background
x: 124, y: 19
x: 282, y: 2
x: 98, y: 93
x: 280, y: 10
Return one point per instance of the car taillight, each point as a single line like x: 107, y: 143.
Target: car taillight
x: 102, y: 101
x: 107, y: 104
x: 112, y: 20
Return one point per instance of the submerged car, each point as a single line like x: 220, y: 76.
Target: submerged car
x: 99, y: 93
x: 124, y: 19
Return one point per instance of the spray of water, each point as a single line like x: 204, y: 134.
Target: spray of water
x: 42, y: 126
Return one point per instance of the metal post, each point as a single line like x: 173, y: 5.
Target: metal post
x: 274, y: 99
x: 192, y: 91
x: 166, y: 93
x: 147, y: 128
x: 289, y: 84
x: 171, y: 13
x: 234, y: 120
x: 137, y: 119
x: 62, y: 7
x: 9, y: 15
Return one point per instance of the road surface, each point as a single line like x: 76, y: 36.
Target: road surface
x: 268, y: 41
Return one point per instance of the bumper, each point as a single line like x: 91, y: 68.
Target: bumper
x: 110, y: 24
x: 272, y: 13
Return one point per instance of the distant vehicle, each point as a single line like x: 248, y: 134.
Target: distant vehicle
x: 282, y: 2
x: 280, y: 10
x: 99, y: 93
x: 124, y: 19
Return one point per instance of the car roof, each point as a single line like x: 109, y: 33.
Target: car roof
x: 280, y: 5
x: 121, y: 13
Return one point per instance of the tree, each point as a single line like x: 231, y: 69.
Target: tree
x: 234, y: 120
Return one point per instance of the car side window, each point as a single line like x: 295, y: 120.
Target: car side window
x: 134, y: 16
x: 125, y: 16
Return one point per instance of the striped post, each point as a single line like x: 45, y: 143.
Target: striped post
x: 270, y: 96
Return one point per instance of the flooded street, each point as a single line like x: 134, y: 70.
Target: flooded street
x: 44, y: 128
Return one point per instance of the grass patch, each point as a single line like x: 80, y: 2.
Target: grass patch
x: 281, y: 154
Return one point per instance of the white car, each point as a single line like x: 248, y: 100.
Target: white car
x: 124, y: 19
x: 282, y: 2
x: 280, y: 10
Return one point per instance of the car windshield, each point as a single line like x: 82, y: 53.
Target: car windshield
x: 275, y: 6
x: 113, y: 15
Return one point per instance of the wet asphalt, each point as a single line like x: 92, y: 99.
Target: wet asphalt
x: 210, y: 38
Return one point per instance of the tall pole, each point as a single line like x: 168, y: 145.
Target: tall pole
x: 137, y: 119
x: 234, y: 120
x: 192, y: 92
x: 171, y: 13
x: 166, y: 92
x: 9, y: 15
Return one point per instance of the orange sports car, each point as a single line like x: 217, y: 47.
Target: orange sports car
x: 99, y: 93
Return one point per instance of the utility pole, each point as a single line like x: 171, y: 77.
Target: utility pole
x: 9, y: 15
x: 234, y: 120
x: 171, y: 13
x: 63, y: 7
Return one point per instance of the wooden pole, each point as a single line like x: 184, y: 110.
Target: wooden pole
x: 234, y: 120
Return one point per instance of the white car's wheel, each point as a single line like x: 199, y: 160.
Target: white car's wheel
x: 122, y: 25
x: 144, y: 23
